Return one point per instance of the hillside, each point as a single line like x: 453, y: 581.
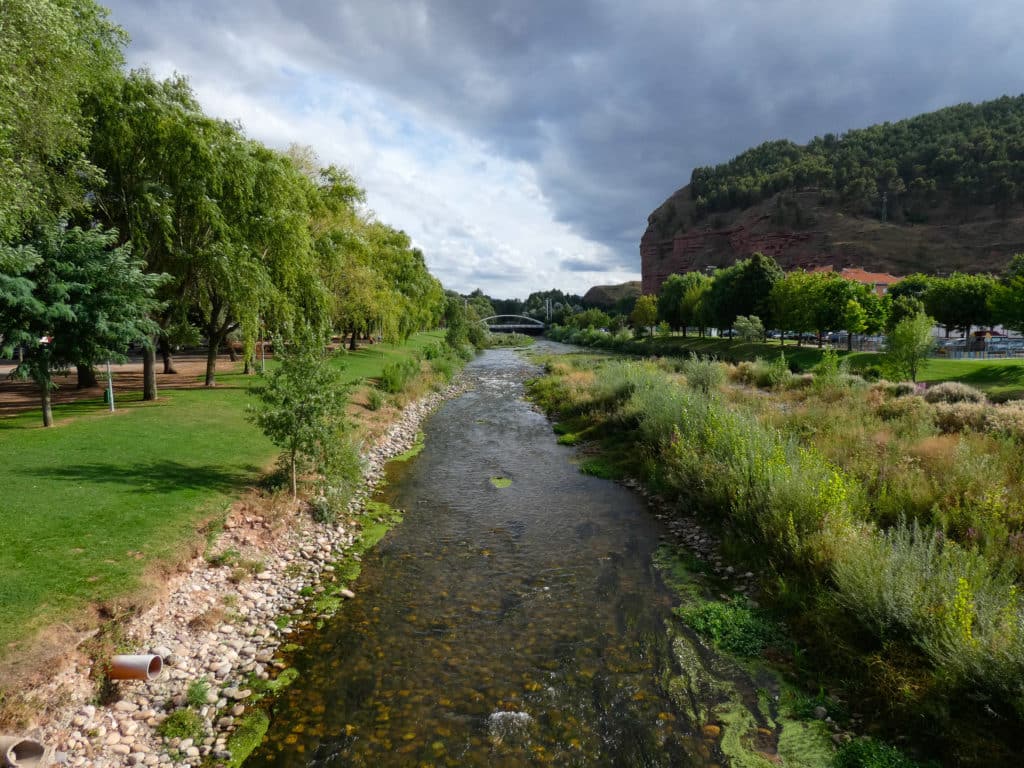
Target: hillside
x: 938, y: 192
x: 607, y: 296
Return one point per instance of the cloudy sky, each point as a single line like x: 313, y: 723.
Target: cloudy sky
x: 522, y: 144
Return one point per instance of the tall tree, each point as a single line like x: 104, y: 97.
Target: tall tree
x: 1007, y: 300
x: 75, y: 296
x: 52, y: 53
x: 645, y: 313
x: 960, y: 301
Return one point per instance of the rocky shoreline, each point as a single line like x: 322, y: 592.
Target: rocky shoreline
x: 219, y: 624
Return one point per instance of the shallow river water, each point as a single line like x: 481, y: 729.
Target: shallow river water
x: 496, y: 626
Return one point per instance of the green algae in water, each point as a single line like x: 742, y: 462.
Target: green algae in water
x: 251, y: 730
x: 500, y: 482
x: 415, y: 450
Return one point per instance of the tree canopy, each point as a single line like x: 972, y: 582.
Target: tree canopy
x: 972, y: 154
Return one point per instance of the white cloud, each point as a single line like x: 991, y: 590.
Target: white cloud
x: 481, y: 220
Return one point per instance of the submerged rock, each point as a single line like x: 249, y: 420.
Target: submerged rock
x: 504, y: 727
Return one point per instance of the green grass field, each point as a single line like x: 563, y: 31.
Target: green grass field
x: 1000, y: 378
x: 91, y: 504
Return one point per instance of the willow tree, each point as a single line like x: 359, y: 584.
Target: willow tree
x: 52, y: 53
x: 148, y: 138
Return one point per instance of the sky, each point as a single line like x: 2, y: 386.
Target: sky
x: 523, y: 143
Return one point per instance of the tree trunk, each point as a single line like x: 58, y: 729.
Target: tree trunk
x: 819, y: 339
x: 165, y: 353
x: 44, y: 391
x: 250, y: 365
x: 295, y: 484
x: 149, y: 372
x: 849, y: 342
x: 86, y: 376
x: 352, y: 341
x: 211, y: 359
x: 231, y: 352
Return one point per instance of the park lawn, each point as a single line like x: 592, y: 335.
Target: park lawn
x: 92, y: 505
x: 1000, y: 378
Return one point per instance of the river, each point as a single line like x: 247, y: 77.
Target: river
x: 502, y: 623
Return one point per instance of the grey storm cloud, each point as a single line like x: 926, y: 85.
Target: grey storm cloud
x: 614, y: 103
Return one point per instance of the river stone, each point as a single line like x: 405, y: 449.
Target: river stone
x: 508, y: 726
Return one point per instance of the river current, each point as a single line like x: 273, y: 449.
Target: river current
x: 502, y: 623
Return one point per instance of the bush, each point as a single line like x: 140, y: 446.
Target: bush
x: 397, y: 374
x: 901, y: 389
x: 960, y: 609
x: 703, y: 374
x: 374, y: 399
x: 433, y: 351
x: 1006, y: 419
x: 953, y: 392
x: 957, y: 417
x: 826, y: 372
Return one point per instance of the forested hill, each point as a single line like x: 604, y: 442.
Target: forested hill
x: 958, y: 166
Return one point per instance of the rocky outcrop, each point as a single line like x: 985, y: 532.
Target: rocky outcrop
x: 811, y: 235
x: 607, y: 296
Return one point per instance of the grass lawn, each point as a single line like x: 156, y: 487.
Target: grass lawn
x: 1001, y: 379
x: 90, y: 505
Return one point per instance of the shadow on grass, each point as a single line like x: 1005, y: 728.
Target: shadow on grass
x: 160, y: 476
x: 996, y: 375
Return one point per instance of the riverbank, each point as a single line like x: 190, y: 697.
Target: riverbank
x: 797, y: 483
x: 219, y: 629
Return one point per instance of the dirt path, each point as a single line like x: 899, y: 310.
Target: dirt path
x: 20, y: 396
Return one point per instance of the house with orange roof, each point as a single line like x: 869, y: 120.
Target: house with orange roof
x: 880, y: 282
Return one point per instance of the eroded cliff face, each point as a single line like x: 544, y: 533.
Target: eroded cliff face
x: 806, y: 234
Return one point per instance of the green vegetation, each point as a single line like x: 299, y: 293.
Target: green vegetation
x: 886, y: 528
x: 197, y: 691
x: 182, y: 723
x: 733, y: 627
x: 301, y: 409
x: 869, y: 753
x: 247, y: 736
x: 967, y: 154
x: 69, y: 297
x: 126, y: 492
x: 501, y: 482
x: 396, y: 375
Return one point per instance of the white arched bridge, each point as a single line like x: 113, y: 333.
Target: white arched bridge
x: 513, y: 324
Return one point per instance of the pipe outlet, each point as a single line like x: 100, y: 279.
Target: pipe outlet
x: 141, y: 667
x: 19, y: 752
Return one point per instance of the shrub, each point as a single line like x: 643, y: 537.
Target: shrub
x: 826, y: 372
x: 444, y: 367
x: 374, y: 399
x: 775, y: 374
x: 953, y: 392
x: 1006, y: 419
x: 433, y: 351
x: 959, y: 608
x: 959, y: 416
x: 901, y: 389
x: 397, y: 374
x: 706, y: 375
x: 182, y: 724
